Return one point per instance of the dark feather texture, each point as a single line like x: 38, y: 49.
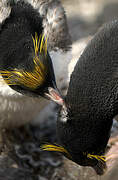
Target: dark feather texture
x: 20, y: 59
x: 54, y: 23
x: 92, y: 99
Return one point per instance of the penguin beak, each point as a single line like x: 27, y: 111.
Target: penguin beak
x: 100, y: 168
x: 54, y: 95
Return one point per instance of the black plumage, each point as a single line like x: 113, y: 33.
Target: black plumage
x: 92, y: 99
x: 21, y: 24
x: 91, y: 103
x: 25, y: 63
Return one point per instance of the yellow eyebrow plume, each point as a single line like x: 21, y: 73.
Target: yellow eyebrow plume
x: 40, y: 44
x: 52, y: 147
x: 98, y: 157
x: 37, y: 76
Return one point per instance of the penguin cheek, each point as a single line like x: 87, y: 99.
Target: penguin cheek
x: 79, y: 159
x: 82, y: 160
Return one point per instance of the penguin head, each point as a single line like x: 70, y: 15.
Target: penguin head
x: 33, y: 74
x: 82, y: 148
x: 91, y: 103
x: 77, y: 147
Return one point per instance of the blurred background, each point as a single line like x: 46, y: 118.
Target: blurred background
x: 85, y: 17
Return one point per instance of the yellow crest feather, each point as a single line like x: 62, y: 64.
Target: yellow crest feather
x: 40, y: 44
x: 37, y: 76
x: 97, y: 157
x: 55, y: 147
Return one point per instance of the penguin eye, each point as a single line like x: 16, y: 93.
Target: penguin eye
x: 55, y: 147
x: 37, y: 76
x: 97, y: 157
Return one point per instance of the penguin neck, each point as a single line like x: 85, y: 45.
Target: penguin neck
x: 93, y: 99
x: 89, y: 122
x: 85, y: 131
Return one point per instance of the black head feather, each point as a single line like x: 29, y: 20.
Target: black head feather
x: 25, y: 63
x: 92, y: 100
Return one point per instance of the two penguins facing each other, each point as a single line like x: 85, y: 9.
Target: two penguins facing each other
x: 87, y: 111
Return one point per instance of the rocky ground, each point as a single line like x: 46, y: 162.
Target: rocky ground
x: 26, y: 161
